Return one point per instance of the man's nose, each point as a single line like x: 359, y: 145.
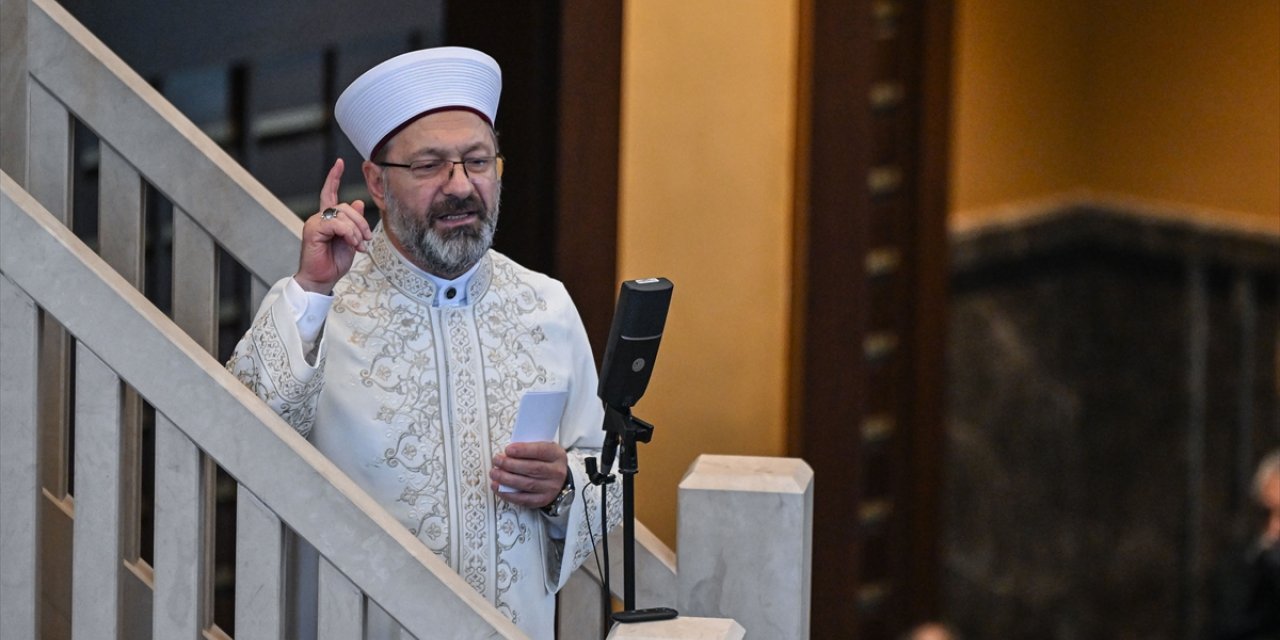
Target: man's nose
x: 458, y: 183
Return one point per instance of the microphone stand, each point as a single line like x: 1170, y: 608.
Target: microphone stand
x: 623, y: 432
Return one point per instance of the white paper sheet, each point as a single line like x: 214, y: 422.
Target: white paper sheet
x: 538, y: 418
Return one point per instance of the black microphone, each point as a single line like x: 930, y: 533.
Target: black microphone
x: 629, y: 357
x: 632, y: 349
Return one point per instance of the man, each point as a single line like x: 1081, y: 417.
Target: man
x: 1247, y: 595
x: 404, y: 352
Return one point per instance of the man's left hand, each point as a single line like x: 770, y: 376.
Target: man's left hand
x: 536, y: 470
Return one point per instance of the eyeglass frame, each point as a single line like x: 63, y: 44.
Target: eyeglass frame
x: 497, y: 158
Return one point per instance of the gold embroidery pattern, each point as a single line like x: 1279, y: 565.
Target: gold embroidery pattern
x: 398, y: 334
x: 395, y: 270
x: 263, y: 353
x: 509, y: 345
x: 480, y: 281
x: 473, y: 453
x: 511, y: 530
x: 395, y: 333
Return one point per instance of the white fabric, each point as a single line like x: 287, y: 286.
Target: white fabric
x: 309, y: 311
x: 457, y: 286
x: 412, y: 401
x: 411, y: 84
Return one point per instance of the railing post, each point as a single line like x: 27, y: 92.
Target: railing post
x: 341, y: 606
x: 19, y: 453
x: 49, y: 182
x: 578, y: 611
x: 259, y: 570
x: 97, y: 560
x: 744, y: 540
x: 120, y: 215
x: 120, y: 243
x: 180, y: 608
x: 49, y: 143
x: 184, y: 559
x: 14, y: 80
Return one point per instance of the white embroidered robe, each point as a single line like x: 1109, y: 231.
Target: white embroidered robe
x: 413, y: 400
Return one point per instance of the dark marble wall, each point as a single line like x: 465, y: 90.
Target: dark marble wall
x: 1112, y: 381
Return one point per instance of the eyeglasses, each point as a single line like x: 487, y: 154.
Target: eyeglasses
x: 475, y: 169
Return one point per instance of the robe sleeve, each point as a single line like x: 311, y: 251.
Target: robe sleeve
x: 581, y: 435
x: 273, y: 361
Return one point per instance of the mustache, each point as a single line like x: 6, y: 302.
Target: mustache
x: 453, y: 204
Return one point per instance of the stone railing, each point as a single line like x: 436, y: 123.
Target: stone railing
x: 203, y: 413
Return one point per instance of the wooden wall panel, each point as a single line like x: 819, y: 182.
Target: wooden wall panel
x: 869, y: 285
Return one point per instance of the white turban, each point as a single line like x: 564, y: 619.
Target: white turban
x: 395, y: 93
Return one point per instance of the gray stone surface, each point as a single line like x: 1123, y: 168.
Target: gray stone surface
x: 97, y: 540
x: 744, y: 539
x: 19, y: 483
x: 682, y: 628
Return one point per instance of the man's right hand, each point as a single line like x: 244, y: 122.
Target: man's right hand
x: 329, y: 245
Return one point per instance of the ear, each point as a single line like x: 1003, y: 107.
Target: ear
x: 373, y: 182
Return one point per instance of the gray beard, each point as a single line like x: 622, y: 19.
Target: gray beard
x: 448, y: 255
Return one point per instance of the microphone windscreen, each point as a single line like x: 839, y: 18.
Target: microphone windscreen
x: 629, y: 355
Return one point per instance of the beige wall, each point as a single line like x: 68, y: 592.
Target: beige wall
x: 705, y: 200
x: 1184, y: 102
x: 1017, y: 111
x: 1175, y: 102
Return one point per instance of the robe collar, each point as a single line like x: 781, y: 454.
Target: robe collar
x: 429, y: 289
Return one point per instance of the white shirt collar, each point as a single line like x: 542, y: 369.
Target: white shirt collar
x: 452, y: 293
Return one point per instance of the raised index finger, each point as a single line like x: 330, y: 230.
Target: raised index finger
x: 329, y: 192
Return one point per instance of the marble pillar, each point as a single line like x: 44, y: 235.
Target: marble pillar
x: 745, y: 543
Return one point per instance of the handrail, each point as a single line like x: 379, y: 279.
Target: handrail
x: 168, y: 368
